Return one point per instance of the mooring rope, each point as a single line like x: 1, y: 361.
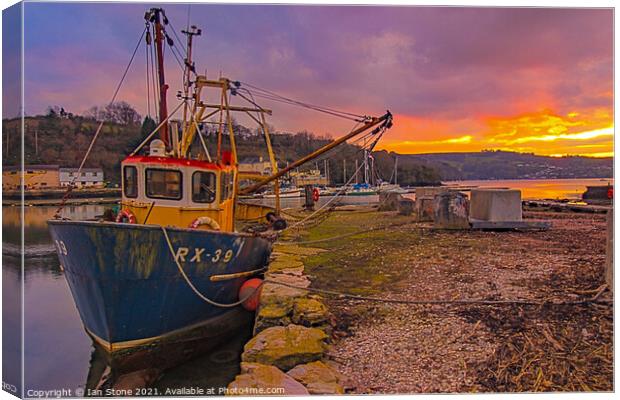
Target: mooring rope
x: 594, y: 299
x: 195, y: 289
x: 344, y: 235
x: 381, y: 203
x: 340, y: 294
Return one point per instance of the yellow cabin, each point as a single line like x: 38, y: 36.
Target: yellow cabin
x: 179, y: 192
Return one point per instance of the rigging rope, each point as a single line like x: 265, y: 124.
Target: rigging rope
x: 344, y: 187
x: 268, y: 92
x: 269, y: 95
x: 334, y: 197
x: 173, y: 50
x: 339, y: 193
x: 94, y: 139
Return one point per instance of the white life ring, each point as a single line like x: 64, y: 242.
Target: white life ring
x: 210, y: 222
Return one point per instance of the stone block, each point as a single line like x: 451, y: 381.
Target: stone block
x: 429, y: 192
x: 425, y: 202
x: 496, y: 205
x: 424, y: 209
x: 451, y: 211
x: 285, y: 347
x: 318, y: 377
x: 260, y: 376
x: 309, y: 312
x: 388, y: 201
x: 406, y: 206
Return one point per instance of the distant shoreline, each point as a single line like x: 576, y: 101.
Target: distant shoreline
x: 528, y: 179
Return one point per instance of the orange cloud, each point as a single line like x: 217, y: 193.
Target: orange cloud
x: 579, y: 132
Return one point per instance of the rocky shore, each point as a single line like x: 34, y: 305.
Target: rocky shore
x: 288, y: 354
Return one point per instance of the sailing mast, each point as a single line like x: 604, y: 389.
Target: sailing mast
x: 155, y: 16
x: 365, y: 166
x: 396, y: 171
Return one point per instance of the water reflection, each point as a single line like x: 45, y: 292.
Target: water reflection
x: 537, y: 189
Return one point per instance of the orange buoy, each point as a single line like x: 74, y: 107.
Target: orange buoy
x: 249, y: 287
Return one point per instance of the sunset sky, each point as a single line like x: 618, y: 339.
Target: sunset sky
x: 456, y: 79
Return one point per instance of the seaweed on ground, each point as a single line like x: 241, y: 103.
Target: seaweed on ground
x: 553, y: 349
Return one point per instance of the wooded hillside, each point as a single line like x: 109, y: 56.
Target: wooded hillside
x: 62, y: 138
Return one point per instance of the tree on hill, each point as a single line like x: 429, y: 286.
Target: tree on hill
x: 119, y: 112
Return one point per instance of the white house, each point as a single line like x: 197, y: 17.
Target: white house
x: 87, y: 177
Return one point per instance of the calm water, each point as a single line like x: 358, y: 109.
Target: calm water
x: 530, y: 189
x: 541, y: 188
x: 58, y: 352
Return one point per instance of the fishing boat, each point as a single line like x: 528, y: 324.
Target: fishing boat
x: 168, y: 268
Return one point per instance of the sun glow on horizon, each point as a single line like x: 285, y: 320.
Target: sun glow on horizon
x: 609, y: 131
x: 587, y: 132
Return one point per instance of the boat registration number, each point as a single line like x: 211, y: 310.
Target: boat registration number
x: 183, y: 254
x: 198, y: 254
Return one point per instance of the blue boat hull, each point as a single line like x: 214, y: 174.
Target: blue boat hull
x: 127, y: 286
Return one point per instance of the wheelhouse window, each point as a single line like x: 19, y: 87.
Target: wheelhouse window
x: 203, y: 187
x: 163, y: 184
x: 130, y: 181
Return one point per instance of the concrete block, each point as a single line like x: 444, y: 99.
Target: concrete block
x: 496, y: 205
x: 425, y: 202
x: 424, y: 209
x: 451, y: 211
x: 389, y: 201
x: 406, y: 206
x: 429, y: 192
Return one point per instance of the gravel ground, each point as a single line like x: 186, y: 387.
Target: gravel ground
x: 387, y: 348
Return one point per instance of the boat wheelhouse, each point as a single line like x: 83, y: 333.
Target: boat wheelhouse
x: 178, y: 191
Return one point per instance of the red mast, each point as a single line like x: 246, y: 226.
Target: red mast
x: 155, y: 16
